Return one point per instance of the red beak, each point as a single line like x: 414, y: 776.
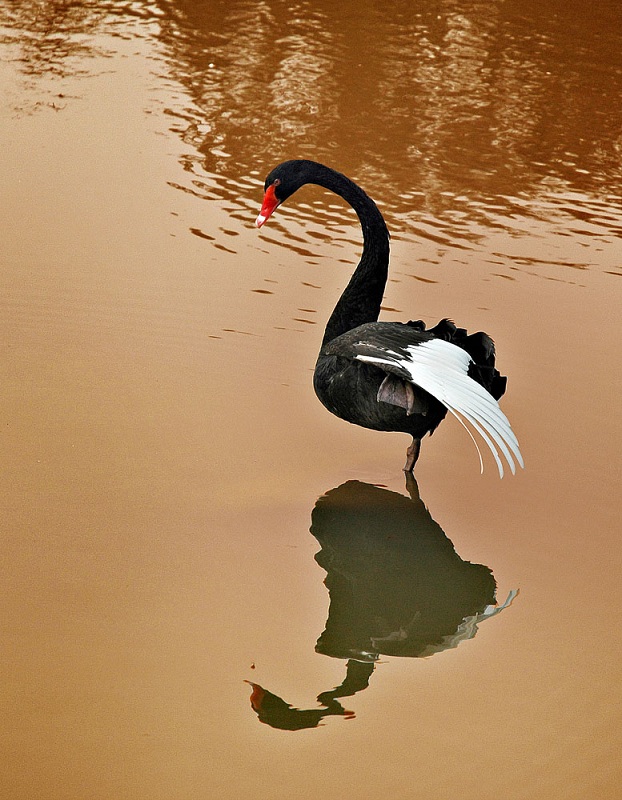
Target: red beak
x: 270, y: 202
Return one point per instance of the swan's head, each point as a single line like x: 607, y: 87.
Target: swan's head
x: 282, y: 182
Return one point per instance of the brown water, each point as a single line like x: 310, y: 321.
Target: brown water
x: 163, y: 452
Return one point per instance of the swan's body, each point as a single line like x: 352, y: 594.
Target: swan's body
x: 392, y: 376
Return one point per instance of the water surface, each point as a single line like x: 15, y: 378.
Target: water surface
x: 180, y: 515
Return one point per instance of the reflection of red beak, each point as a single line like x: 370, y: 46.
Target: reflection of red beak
x: 257, y: 695
x: 270, y: 202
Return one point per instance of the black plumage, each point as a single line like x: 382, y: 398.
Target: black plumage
x: 392, y: 376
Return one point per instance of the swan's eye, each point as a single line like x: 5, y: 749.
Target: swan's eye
x: 276, y: 182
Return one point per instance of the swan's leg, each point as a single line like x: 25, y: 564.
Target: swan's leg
x: 412, y: 488
x: 412, y: 454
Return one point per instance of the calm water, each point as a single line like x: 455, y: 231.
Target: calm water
x: 180, y: 515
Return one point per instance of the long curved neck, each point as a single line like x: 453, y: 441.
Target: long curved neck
x: 361, y: 299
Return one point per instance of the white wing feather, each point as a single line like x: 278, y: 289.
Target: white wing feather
x: 441, y: 368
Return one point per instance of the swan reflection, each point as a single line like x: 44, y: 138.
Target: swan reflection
x: 397, y: 587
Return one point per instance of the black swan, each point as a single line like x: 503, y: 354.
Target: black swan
x: 393, y: 376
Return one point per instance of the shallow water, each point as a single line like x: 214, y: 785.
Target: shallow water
x: 180, y: 514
